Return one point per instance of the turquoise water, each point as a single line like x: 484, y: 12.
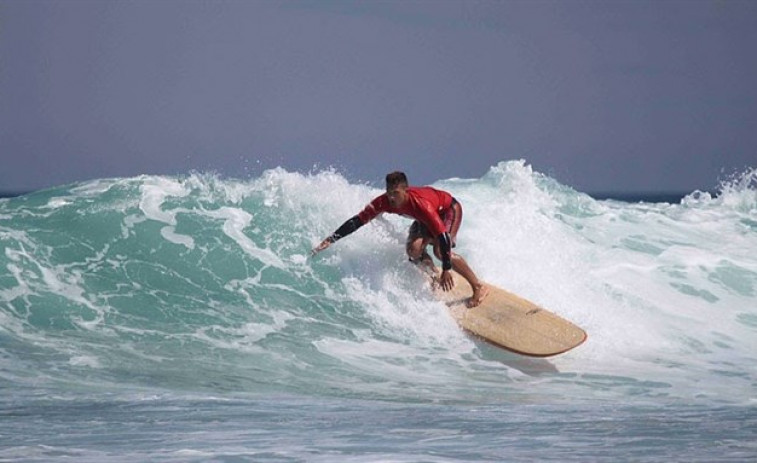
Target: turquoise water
x: 182, y: 319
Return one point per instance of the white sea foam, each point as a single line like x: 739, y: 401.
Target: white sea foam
x: 235, y: 222
x: 155, y: 190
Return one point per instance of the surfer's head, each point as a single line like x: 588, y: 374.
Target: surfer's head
x: 396, y: 188
x: 394, y: 179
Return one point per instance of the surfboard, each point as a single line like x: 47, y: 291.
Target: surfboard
x: 511, y: 322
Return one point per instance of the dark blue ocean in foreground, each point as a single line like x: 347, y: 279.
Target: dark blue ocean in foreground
x: 182, y: 319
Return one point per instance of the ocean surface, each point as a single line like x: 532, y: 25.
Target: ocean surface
x: 182, y: 319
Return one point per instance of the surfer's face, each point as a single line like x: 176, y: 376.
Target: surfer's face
x: 397, y: 195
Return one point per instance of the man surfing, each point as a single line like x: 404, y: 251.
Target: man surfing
x: 437, y: 219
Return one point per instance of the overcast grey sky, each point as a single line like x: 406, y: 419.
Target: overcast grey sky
x: 601, y: 95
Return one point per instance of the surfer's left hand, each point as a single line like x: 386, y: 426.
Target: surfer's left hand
x: 446, y: 280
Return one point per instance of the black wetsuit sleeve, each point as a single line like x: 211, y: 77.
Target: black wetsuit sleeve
x: 445, y: 246
x: 347, y: 227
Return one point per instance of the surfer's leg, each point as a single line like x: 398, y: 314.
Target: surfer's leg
x: 416, y: 245
x: 452, y: 220
x: 417, y: 242
x: 480, y: 290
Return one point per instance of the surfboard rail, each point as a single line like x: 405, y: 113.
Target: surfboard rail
x: 512, y: 322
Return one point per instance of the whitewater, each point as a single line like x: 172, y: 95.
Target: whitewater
x: 182, y: 318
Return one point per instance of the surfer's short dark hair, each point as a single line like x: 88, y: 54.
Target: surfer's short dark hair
x: 395, y: 179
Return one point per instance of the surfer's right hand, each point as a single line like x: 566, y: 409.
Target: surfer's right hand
x: 324, y: 244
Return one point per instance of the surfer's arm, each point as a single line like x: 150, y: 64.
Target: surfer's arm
x: 445, y: 249
x: 373, y: 209
x: 370, y: 212
x: 347, y: 227
x: 445, y: 252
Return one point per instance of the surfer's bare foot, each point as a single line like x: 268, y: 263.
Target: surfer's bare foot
x: 479, y: 294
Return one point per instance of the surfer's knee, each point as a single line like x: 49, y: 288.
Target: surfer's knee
x: 418, y: 258
x: 415, y: 248
x: 413, y: 252
x: 415, y: 260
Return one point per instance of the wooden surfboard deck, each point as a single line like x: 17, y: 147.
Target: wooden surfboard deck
x: 512, y: 322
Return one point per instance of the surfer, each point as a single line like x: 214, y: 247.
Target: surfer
x: 437, y: 219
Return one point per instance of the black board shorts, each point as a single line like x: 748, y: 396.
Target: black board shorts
x: 450, y: 218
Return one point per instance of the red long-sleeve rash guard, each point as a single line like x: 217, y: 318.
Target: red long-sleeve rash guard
x: 424, y: 204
